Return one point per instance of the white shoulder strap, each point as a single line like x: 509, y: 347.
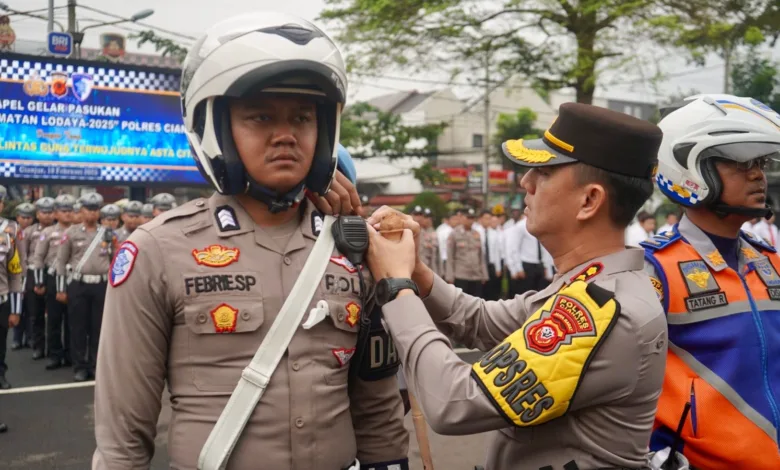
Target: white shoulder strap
x: 255, y: 377
x: 95, y: 242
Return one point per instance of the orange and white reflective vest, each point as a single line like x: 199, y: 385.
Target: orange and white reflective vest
x: 724, y: 349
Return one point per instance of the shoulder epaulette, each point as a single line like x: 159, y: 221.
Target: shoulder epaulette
x: 758, y: 242
x: 186, y: 210
x: 660, y: 241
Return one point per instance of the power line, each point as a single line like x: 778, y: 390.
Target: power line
x: 173, y: 33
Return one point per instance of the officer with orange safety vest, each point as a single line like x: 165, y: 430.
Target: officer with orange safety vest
x: 720, y: 289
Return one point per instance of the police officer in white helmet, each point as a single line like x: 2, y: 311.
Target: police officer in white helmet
x: 194, y: 292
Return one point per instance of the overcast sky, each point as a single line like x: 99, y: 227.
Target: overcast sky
x: 192, y: 17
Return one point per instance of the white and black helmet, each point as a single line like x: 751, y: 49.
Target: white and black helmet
x: 45, y: 204
x: 163, y: 201
x: 147, y: 211
x: 91, y: 201
x: 25, y: 209
x: 110, y: 211
x: 64, y: 202
x: 704, y: 128
x: 261, y: 52
x: 133, y: 208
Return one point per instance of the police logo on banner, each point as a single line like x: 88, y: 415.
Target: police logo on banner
x: 124, y: 260
x: 82, y: 85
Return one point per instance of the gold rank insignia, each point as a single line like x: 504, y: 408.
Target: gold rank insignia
x: 353, y: 313
x: 216, y: 256
x: 518, y: 150
x: 716, y: 258
x: 224, y: 318
x: 659, y: 288
x: 749, y: 253
x: 591, y: 271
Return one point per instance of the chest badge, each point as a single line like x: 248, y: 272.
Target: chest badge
x: 216, y: 256
x: 344, y: 263
x: 224, y: 318
x: 768, y: 275
x: 353, y: 313
x: 343, y: 355
x: 703, y: 289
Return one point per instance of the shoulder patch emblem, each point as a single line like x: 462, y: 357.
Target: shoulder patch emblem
x: 216, y: 256
x: 123, y: 263
x: 749, y: 253
x: 659, y: 242
x: 568, y: 319
x: 659, y: 288
x: 226, y: 219
x: 532, y: 376
x: 344, y: 263
x: 224, y: 318
x: 588, y: 273
x: 15, y: 264
x: 343, y: 355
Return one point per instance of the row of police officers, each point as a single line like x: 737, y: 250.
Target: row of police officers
x: 62, y: 248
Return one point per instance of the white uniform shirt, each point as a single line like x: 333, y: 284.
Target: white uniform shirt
x: 635, y: 234
x: 522, y: 247
x: 443, y: 232
x: 766, y: 231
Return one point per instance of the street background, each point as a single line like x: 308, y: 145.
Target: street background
x: 54, y: 429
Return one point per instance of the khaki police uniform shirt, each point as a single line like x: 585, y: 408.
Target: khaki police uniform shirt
x: 10, y: 260
x: 74, y: 246
x: 465, y: 259
x: 48, y: 246
x: 429, y: 251
x: 611, y: 416
x: 207, y: 261
x: 29, y: 240
x: 122, y: 234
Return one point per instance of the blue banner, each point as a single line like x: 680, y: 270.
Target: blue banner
x: 91, y: 123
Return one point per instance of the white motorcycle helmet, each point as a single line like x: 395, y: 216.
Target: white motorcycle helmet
x: 704, y: 128
x: 261, y: 52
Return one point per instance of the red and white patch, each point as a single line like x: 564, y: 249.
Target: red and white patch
x: 343, y: 355
x: 344, y: 263
x: 122, y: 264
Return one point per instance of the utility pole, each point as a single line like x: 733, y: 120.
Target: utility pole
x: 486, y: 139
x: 50, y: 27
x: 77, y: 36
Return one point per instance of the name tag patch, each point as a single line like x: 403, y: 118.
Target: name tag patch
x: 702, y: 302
x: 218, y: 283
x: 335, y: 284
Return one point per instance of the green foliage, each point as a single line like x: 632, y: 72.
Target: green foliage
x: 555, y: 43
x: 515, y: 126
x: 8, y: 209
x: 757, y: 77
x: 433, y: 202
x: 720, y: 26
x: 164, y: 46
x: 371, y: 132
x: 429, y: 176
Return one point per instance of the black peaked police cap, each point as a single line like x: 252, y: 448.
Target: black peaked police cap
x: 596, y: 136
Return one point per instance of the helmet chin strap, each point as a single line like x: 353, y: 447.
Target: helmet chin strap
x: 724, y: 209
x: 275, y: 201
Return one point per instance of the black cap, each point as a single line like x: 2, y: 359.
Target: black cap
x: 596, y: 136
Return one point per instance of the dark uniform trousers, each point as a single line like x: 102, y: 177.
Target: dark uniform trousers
x: 57, y: 324
x: 35, y: 307
x: 470, y: 287
x: 5, y: 312
x: 86, y: 316
x: 493, y: 286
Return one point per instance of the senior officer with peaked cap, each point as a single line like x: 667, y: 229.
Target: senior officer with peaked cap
x: 572, y: 374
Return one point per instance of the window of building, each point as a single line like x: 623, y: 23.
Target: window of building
x: 476, y: 140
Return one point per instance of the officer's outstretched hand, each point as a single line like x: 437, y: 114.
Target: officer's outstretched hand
x: 61, y: 297
x: 341, y: 199
x: 388, y: 258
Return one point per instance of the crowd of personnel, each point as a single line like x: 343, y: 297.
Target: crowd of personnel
x: 490, y: 256
x: 62, y: 249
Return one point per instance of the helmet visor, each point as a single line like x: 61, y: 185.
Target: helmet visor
x: 742, y: 152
